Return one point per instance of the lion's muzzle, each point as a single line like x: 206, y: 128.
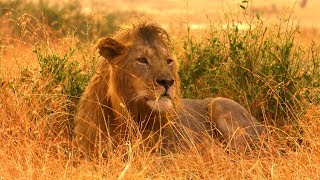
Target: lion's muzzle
x: 161, y: 104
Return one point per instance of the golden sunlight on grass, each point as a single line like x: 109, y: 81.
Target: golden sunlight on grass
x: 47, y: 58
x: 27, y: 152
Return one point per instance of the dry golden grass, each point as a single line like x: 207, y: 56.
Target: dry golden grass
x: 38, y: 146
x: 30, y: 150
x: 35, y: 144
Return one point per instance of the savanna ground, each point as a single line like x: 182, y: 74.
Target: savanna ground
x: 257, y: 55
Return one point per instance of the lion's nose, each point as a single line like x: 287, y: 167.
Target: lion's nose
x: 165, y: 83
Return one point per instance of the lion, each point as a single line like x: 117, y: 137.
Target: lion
x: 137, y: 83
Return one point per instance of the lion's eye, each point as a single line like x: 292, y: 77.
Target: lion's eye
x: 142, y: 60
x: 169, y: 61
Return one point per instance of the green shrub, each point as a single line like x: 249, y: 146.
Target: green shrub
x: 263, y: 68
x: 64, y: 73
x: 56, y: 88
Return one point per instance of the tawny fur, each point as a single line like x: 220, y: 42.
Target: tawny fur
x: 137, y: 83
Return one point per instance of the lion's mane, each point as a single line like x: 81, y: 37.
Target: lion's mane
x: 106, y: 106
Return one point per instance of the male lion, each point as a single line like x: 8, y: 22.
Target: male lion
x: 137, y: 83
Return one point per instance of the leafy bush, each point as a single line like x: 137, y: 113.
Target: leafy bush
x: 53, y: 91
x: 263, y: 68
x: 63, y: 73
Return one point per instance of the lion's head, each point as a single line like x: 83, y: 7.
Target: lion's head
x: 142, y: 69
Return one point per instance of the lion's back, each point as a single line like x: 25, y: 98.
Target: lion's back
x: 193, y: 114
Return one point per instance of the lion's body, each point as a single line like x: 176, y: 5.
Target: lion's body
x: 136, y: 88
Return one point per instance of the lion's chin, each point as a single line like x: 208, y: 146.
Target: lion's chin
x: 162, y: 104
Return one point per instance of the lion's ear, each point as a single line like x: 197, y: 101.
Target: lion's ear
x: 110, y: 48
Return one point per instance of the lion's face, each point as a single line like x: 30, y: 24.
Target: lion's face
x: 153, y: 70
x: 146, y: 73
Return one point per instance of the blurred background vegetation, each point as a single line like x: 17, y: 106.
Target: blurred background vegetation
x: 59, y: 19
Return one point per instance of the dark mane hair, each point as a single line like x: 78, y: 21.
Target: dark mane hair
x: 148, y: 31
